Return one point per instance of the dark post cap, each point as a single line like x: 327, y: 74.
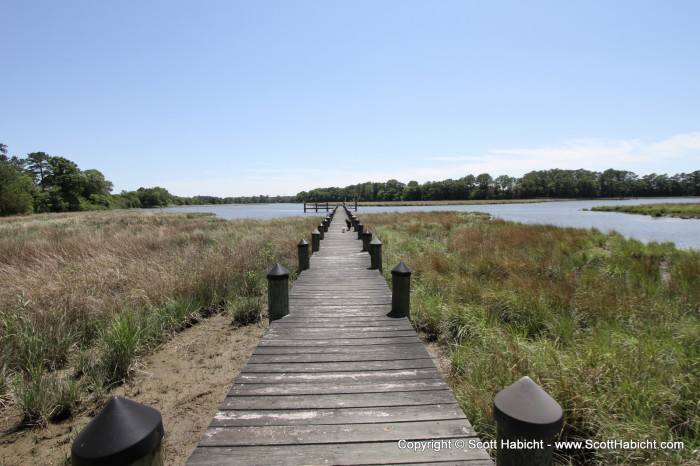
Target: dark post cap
x: 278, y: 272
x: 526, y: 409
x: 303, y: 242
x: 401, y: 270
x: 123, y: 432
x: 376, y: 242
x: 316, y: 232
x: 367, y: 231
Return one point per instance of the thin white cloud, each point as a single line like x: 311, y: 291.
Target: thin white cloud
x: 679, y: 146
x: 676, y: 154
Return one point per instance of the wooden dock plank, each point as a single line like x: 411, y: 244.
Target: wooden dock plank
x: 339, y: 380
x: 344, y: 453
x: 318, y: 434
x: 333, y: 416
x: 329, y: 388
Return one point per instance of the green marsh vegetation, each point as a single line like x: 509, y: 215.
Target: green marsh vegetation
x: 83, y: 295
x: 680, y: 210
x: 609, y: 327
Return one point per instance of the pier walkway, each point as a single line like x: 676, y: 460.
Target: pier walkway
x: 337, y: 381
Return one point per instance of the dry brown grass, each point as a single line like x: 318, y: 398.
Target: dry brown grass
x: 66, y: 278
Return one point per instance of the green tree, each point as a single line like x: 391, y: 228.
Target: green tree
x: 65, y: 184
x: 154, y: 197
x: 40, y: 168
x: 15, y: 186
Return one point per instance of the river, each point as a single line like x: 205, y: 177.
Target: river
x: 685, y: 233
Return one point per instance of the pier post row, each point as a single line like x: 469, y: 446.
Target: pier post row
x: 277, y: 292
x: 401, y: 291
x: 303, y: 253
x: 527, y: 420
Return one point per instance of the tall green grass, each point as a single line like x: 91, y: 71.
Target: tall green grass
x: 681, y: 210
x: 609, y: 327
x: 84, y: 296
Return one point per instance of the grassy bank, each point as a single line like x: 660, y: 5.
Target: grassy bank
x: 683, y: 210
x: 608, y: 326
x: 82, y: 296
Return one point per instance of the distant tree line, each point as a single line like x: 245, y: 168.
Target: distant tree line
x: 44, y: 183
x: 553, y: 183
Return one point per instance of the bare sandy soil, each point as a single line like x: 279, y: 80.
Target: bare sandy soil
x: 185, y: 379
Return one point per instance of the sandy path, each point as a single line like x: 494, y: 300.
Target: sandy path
x: 185, y: 379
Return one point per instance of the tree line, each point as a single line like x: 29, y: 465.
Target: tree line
x: 553, y: 183
x: 43, y: 183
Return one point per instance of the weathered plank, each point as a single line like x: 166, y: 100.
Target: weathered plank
x: 340, y: 377
x: 353, y: 453
x: 346, y: 366
x: 331, y: 416
x: 329, y: 388
x: 320, y: 434
x: 367, y: 400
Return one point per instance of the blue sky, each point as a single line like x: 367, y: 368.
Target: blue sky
x: 275, y: 97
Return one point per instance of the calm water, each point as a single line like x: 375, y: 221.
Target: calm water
x: 684, y: 233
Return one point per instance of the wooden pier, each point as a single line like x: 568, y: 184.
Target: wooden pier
x: 338, y: 381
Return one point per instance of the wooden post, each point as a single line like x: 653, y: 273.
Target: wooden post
x: 360, y: 228
x: 123, y: 432
x: 355, y: 205
x: 277, y: 292
x: 321, y: 229
x: 303, y: 250
x: 375, y: 254
x: 326, y: 224
x: 401, y: 291
x: 315, y: 241
x: 366, y: 238
x: 527, y: 420
x: 304, y: 206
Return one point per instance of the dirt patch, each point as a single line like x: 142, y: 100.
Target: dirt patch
x: 185, y: 379
x: 439, y: 354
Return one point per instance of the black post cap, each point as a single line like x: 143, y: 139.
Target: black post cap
x: 303, y: 243
x: 367, y: 232
x: 526, y: 409
x: 316, y: 232
x: 123, y: 432
x: 278, y: 272
x: 401, y: 270
x: 376, y: 241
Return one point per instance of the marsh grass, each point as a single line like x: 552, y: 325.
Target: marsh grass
x: 680, y: 210
x: 609, y: 327
x: 83, y: 296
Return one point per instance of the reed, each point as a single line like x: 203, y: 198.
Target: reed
x: 83, y: 296
x: 680, y: 210
x: 608, y: 326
